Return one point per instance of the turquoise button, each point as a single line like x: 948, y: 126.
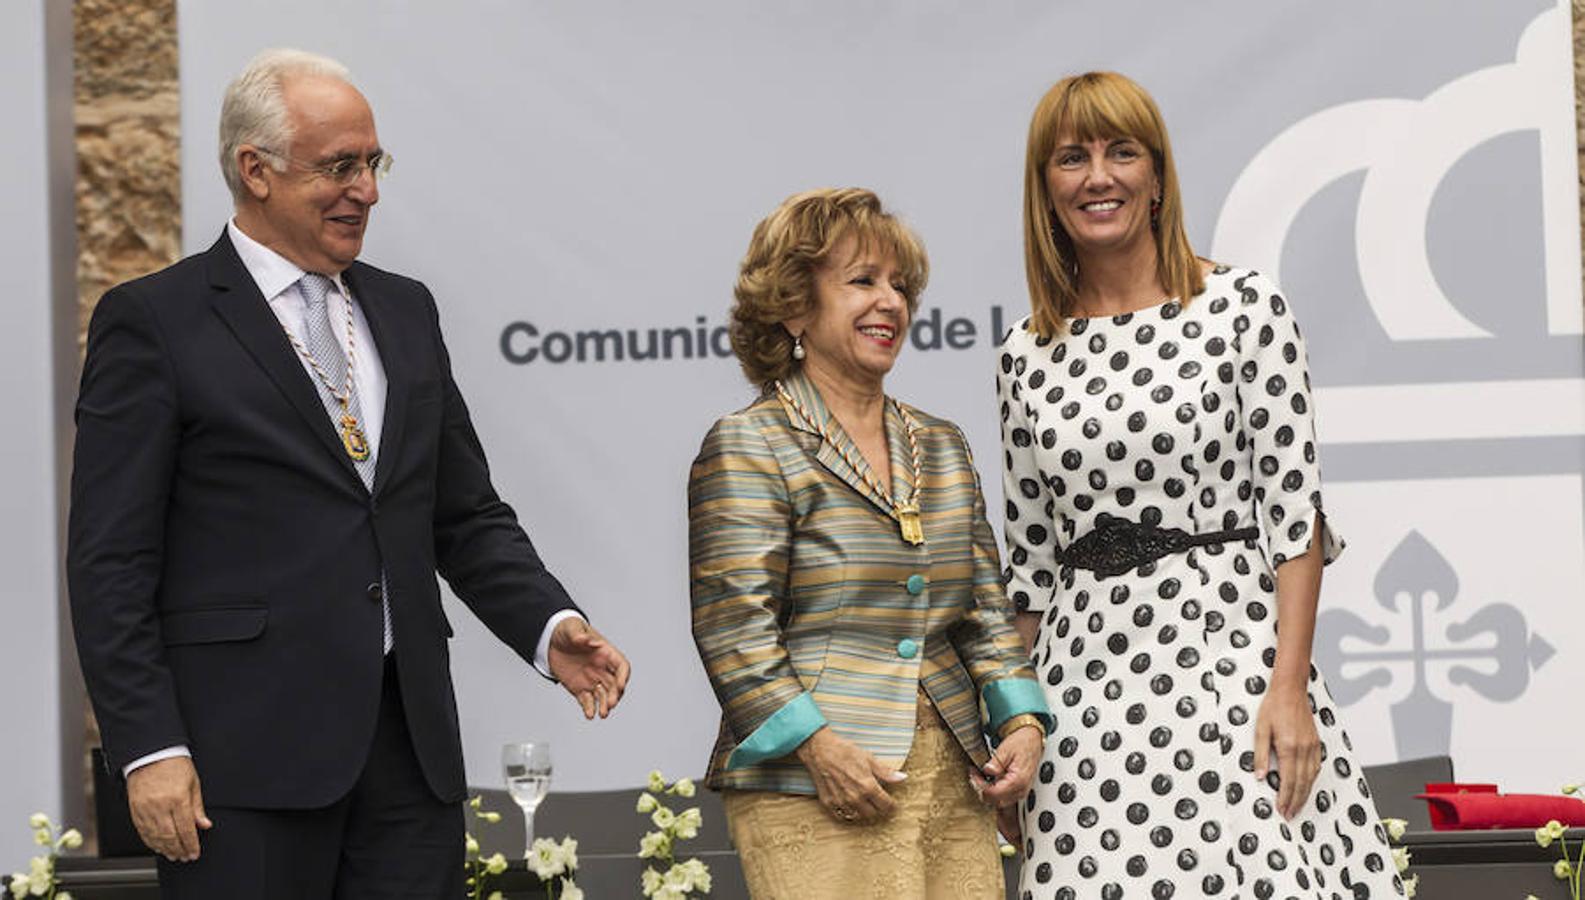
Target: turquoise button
x: 907, y: 647
x: 916, y: 584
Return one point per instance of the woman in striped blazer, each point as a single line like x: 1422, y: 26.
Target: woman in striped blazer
x: 845, y: 586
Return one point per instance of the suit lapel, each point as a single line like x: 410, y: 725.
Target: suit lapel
x: 245, y: 311
x: 836, y: 448
x: 387, y: 339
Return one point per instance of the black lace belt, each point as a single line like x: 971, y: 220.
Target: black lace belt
x: 1115, y: 545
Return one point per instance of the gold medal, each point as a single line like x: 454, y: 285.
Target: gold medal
x: 908, y: 522
x: 357, y: 446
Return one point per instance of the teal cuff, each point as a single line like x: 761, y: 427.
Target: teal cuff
x: 781, y: 734
x: 1008, y: 697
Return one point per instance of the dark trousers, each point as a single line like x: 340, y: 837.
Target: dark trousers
x: 388, y: 838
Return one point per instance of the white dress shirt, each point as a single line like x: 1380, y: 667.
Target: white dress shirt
x: 277, y: 279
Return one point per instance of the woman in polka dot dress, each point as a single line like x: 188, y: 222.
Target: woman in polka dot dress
x: 1163, y: 516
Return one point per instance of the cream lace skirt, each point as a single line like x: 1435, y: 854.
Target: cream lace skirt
x: 940, y: 844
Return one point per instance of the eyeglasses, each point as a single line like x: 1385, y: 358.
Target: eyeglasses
x: 344, y: 171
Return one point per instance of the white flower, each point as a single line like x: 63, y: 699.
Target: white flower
x: 650, y: 880
x: 42, y: 837
x: 71, y: 839
x: 1400, y: 858
x: 1410, y: 885
x: 653, y: 844
x: 63, y: 895
x: 1543, y: 836
x: 19, y: 885
x: 39, y: 879
x: 666, y: 893
x: 546, y: 859
x: 496, y: 895
x: 647, y: 803
x: 679, y: 878
x: 700, y: 873
x: 1395, y: 828
x: 687, y: 824
x: 663, y: 817
x: 38, y: 820
x: 656, y: 782
x: 491, y: 816
x: 471, y: 845
x: 495, y: 865
x: 1561, y: 870
x: 1007, y: 850
x: 569, y: 852
x: 683, y: 787
x: 570, y: 891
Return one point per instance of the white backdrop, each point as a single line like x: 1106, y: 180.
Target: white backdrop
x: 1406, y: 169
x: 35, y: 242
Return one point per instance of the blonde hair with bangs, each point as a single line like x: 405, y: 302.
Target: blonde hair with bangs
x: 1096, y: 106
x: 776, y: 280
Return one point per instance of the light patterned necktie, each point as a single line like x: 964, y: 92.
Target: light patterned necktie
x: 320, y: 339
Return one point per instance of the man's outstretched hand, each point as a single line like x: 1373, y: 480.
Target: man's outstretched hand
x: 592, y: 670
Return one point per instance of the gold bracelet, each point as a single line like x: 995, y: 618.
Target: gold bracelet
x: 1022, y: 720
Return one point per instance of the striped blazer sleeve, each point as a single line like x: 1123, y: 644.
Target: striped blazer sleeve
x: 739, y: 534
x: 992, y: 652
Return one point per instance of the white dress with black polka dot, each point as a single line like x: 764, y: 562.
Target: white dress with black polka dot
x: 1194, y: 417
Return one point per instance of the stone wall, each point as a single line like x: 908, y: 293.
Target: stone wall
x: 1579, y: 103
x: 128, y: 143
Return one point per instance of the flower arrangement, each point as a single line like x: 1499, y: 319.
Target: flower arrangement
x: 480, y: 869
x: 551, y: 861
x: 1400, y: 855
x: 672, y: 880
x: 547, y: 859
x: 39, y: 879
x: 1568, y: 868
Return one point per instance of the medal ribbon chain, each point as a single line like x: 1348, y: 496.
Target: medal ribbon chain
x: 343, y: 396
x: 864, y: 472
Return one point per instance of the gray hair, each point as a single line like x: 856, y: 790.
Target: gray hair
x: 254, y: 111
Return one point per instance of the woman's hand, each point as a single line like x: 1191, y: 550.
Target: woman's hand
x: 1285, y: 726
x: 848, y: 778
x: 1006, y: 777
x: 1009, y: 821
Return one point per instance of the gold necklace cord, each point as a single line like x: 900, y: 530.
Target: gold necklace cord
x: 864, y: 472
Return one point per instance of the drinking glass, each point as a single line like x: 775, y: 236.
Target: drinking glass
x: 527, y: 768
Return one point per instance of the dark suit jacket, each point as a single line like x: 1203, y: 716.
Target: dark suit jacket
x: 224, y: 558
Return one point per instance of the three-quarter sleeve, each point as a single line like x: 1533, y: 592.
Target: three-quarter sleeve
x: 991, y: 650
x: 1275, y: 401
x: 739, y: 535
x: 1031, y: 539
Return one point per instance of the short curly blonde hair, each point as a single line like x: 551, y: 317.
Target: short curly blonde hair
x: 776, y: 281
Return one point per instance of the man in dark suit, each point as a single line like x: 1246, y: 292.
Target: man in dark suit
x: 272, y: 464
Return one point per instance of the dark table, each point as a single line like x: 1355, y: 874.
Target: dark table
x: 1487, y: 865
x: 1468, y: 865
